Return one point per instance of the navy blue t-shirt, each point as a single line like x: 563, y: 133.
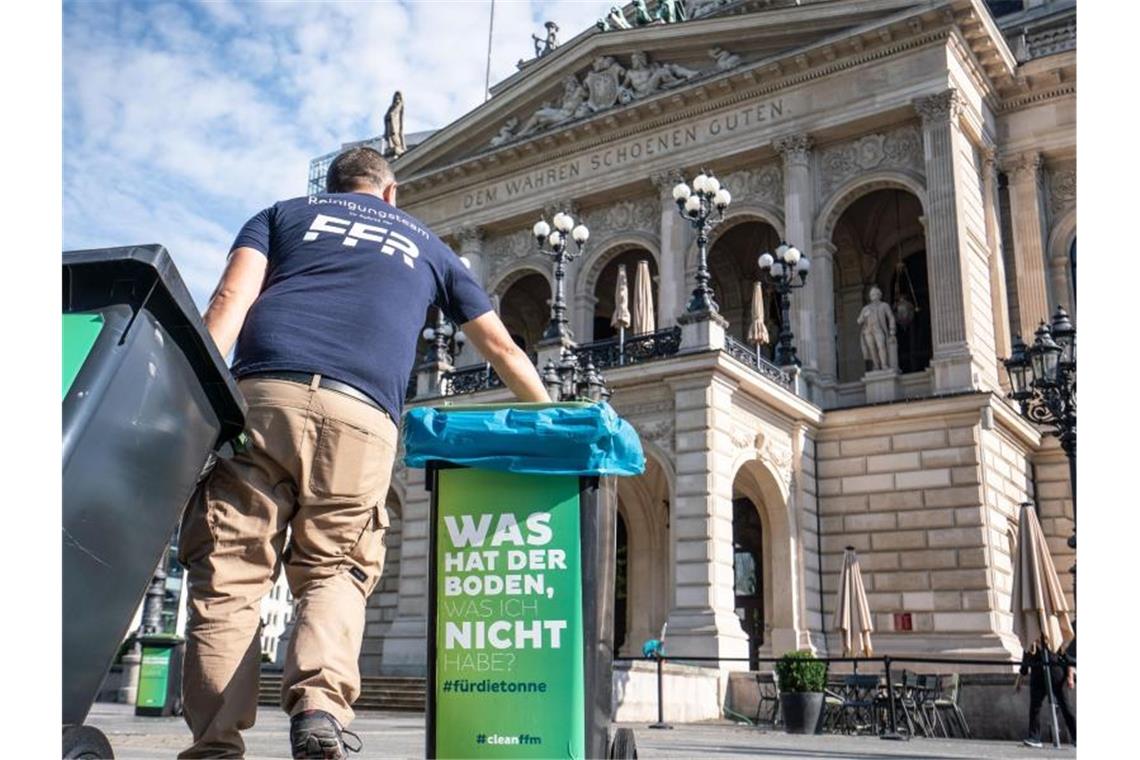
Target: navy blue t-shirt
x: 348, y: 284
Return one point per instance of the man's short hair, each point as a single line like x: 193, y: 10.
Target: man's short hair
x: 356, y: 167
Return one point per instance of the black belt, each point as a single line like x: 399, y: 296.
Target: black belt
x: 306, y: 378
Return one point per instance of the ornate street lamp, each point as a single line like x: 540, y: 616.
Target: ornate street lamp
x: 446, y: 339
x: 1043, y: 379
x: 568, y: 380
x: 553, y: 243
x: 699, y: 205
x: 785, y: 270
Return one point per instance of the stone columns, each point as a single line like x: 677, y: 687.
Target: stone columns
x: 405, y: 644
x: 674, y: 241
x: 822, y: 281
x: 798, y: 207
x: 998, y: 296
x: 1026, y: 205
x: 702, y: 621
x: 942, y: 140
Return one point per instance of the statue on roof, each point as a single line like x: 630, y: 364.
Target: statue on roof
x: 705, y: 7
x: 394, y: 127
x: 604, y: 82
x: 641, y: 13
x: 546, y: 46
x: 616, y: 19
x: 670, y: 11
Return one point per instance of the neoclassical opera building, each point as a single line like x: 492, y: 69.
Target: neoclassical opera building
x: 928, y: 148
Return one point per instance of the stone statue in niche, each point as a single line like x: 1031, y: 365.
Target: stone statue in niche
x: 394, y: 127
x: 506, y: 132
x: 724, y: 59
x: 877, y: 323
x: 644, y: 78
x: 573, y: 104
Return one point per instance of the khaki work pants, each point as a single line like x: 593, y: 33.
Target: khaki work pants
x: 319, y: 463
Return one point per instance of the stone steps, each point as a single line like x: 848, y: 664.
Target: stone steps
x: 376, y: 692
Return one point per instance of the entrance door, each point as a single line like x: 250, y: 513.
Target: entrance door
x: 621, y: 584
x: 747, y: 564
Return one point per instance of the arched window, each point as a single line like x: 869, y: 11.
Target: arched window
x: 734, y: 268
x: 525, y: 309
x: 606, y: 289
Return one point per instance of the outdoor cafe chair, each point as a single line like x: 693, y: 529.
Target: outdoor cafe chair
x: 859, y: 702
x: 909, y: 698
x: 768, y: 706
x: 947, y: 702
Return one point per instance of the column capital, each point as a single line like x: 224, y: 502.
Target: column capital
x: 823, y: 249
x: 665, y: 182
x: 470, y: 236
x: 1023, y: 167
x: 794, y: 148
x: 940, y: 108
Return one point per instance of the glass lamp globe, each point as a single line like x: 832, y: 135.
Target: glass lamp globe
x: 722, y: 199
x: 580, y: 234
x: 766, y: 260
x: 693, y: 205
x: 792, y: 255
x: 681, y: 191
x: 541, y: 229
x: 555, y: 239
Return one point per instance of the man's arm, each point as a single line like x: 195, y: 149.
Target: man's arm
x: 236, y: 292
x: 492, y: 340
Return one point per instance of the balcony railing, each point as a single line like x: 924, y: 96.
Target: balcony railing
x: 636, y: 349
x: 472, y: 379
x: 746, y: 354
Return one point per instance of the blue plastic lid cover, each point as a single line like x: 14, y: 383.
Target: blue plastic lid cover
x: 555, y: 439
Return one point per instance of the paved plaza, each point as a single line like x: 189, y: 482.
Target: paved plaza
x: 400, y: 735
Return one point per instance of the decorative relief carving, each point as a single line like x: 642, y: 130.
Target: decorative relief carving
x: 504, y: 251
x: 1062, y: 189
x: 940, y: 108
x: 665, y: 182
x: 469, y: 236
x: 659, y: 432
x: 645, y: 408
x: 764, y: 184
x: 898, y: 149
x: 777, y: 453
x: 607, y: 84
x: 642, y: 214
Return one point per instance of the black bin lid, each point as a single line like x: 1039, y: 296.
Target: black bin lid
x: 144, y: 277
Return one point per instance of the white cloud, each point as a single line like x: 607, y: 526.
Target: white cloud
x: 182, y: 120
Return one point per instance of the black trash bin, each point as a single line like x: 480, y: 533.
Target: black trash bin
x: 146, y: 399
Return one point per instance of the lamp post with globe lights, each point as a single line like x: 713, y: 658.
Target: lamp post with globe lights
x: 702, y: 204
x: 446, y: 339
x: 785, y: 270
x: 554, y: 243
x: 1043, y: 381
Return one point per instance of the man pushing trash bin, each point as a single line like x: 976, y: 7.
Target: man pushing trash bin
x: 325, y: 296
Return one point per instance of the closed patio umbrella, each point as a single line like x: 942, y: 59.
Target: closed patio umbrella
x: 1040, y: 610
x: 757, y: 330
x: 643, y: 318
x: 852, y: 613
x: 620, y: 318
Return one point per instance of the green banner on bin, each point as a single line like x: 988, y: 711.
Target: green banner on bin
x: 154, y: 676
x: 509, y: 670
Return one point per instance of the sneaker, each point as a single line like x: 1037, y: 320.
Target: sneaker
x: 316, y: 734
x: 1035, y: 743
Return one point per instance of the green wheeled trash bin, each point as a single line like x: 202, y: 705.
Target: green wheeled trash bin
x: 147, y: 399
x: 522, y: 541
x: 160, y: 675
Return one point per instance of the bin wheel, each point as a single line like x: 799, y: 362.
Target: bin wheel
x: 176, y: 706
x: 625, y: 744
x: 86, y: 742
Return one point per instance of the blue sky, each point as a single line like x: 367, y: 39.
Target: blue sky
x: 182, y: 120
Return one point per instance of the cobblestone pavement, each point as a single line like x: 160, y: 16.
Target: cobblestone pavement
x: 401, y: 735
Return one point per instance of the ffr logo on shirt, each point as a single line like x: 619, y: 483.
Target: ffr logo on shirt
x: 353, y: 232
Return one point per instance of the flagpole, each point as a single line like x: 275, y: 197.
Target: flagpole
x: 490, y: 35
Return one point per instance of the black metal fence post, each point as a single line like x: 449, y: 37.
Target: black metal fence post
x: 660, y: 696
x: 893, y: 734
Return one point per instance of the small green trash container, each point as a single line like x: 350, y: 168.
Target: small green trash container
x: 146, y: 399
x: 160, y: 675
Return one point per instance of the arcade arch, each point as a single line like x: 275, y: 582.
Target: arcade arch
x: 733, y: 265
x: 524, y: 306
x: 605, y: 288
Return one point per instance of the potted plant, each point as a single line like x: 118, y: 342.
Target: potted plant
x: 801, y: 678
